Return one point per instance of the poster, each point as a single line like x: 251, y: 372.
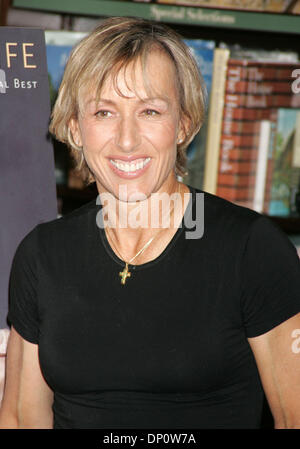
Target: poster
x: 27, y: 181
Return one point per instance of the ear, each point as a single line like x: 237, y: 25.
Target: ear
x: 75, y: 132
x: 183, y: 129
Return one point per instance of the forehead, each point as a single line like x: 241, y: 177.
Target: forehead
x: 153, y: 77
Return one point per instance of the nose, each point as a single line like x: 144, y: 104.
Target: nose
x: 127, y: 136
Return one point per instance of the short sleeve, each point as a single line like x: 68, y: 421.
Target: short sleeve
x: 270, y: 275
x: 23, y: 308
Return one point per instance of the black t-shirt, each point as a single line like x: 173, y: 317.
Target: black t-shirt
x: 169, y: 349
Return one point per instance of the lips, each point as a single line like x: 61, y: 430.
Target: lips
x: 129, y: 168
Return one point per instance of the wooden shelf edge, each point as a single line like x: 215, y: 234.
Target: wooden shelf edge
x: 186, y: 15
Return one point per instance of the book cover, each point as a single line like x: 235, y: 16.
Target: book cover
x: 58, y: 48
x: 239, y: 144
x: 285, y: 176
x: 27, y: 182
x: 214, y: 131
x: 203, y: 51
x: 253, y: 92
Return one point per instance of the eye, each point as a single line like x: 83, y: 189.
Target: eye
x: 151, y: 112
x: 103, y: 113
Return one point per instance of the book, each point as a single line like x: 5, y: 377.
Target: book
x: 254, y: 90
x: 278, y: 6
x: 296, y: 149
x: 239, y: 52
x: 285, y: 176
x: 59, y: 45
x: 270, y: 159
x: 58, y: 48
x: 221, y: 56
x: 294, y: 7
x: 239, y: 149
x: 203, y: 52
x: 261, y: 166
x: 27, y: 180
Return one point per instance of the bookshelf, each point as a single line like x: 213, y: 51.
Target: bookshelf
x: 208, y: 17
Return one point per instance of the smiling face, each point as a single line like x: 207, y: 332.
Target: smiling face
x: 129, y: 137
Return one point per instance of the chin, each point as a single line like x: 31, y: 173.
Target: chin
x: 132, y: 195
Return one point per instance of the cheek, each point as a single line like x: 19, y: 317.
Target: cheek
x: 93, y: 137
x: 163, y: 135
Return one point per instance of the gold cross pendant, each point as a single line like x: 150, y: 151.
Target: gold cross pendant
x: 124, y: 274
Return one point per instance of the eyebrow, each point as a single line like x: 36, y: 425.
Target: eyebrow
x: 141, y: 100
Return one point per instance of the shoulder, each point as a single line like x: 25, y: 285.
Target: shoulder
x: 216, y: 206
x: 71, y: 220
x: 240, y: 228
x: 223, y: 215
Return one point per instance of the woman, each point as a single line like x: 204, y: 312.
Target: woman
x: 139, y: 325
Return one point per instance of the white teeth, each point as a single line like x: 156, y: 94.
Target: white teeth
x: 130, y: 167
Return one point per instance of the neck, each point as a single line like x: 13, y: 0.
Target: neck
x: 131, y: 225
x: 121, y: 211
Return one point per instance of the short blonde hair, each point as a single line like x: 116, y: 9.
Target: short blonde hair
x: 114, y: 44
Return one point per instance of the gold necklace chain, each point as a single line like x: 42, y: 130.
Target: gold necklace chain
x: 126, y: 273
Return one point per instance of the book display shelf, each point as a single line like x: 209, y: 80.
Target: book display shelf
x: 250, y: 121
x: 175, y: 14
